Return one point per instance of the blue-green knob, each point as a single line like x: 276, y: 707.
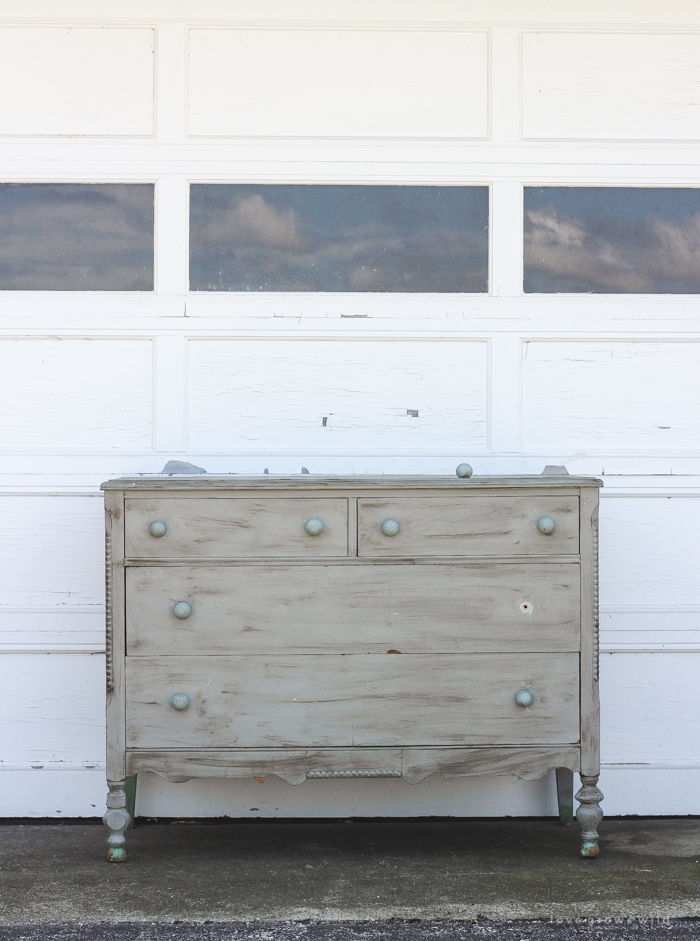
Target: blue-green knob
x: 524, y: 698
x: 157, y: 529
x: 546, y: 525
x: 180, y: 701
x: 182, y: 610
x: 464, y: 470
x: 314, y: 527
x: 390, y: 527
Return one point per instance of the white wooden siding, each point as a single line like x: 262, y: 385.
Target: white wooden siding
x: 51, y: 551
x: 652, y: 705
x: 327, y: 83
x: 612, y: 395
x: 73, y: 81
x: 61, y: 701
x: 251, y: 394
x: 76, y: 393
x: 611, y: 86
x: 96, y: 385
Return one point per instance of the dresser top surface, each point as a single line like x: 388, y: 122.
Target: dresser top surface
x: 265, y: 482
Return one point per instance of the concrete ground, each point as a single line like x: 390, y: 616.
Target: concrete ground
x: 395, y: 880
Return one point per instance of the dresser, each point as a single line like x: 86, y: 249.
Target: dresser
x: 352, y: 627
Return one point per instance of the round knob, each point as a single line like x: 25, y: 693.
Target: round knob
x: 157, y: 529
x: 464, y: 470
x: 314, y: 527
x: 390, y: 527
x: 524, y: 698
x: 546, y: 525
x: 180, y: 701
x: 182, y: 610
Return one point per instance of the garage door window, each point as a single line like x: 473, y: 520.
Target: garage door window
x: 612, y: 240
x: 386, y: 239
x: 76, y: 237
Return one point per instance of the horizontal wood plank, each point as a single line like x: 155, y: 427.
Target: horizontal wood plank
x: 353, y: 608
x: 483, y: 525
x: 237, y: 527
x: 352, y: 700
x: 293, y: 765
x: 296, y: 482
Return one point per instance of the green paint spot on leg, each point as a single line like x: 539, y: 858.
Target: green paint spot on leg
x: 116, y: 854
x: 589, y: 850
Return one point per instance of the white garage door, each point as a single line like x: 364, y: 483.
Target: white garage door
x: 351, y: 243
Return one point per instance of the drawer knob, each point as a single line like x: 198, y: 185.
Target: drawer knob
x: 546, y: 525
x: 390, y: 527
x: 180, y: 701
x: 157, y: 529
x: 464, y: 470
x: 314, y: 527
x: 524, y: 698
x: 182, y: 610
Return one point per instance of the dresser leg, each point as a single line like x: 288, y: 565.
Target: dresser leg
x: 116, y: 819
x: 565, y: 795
x: 589, y: 813
x: 130, y: 790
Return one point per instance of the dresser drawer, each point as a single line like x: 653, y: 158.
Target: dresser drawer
x: 467, y: 525
x: 369, y: 700
x: 235, y: 527
x: 348, y: 608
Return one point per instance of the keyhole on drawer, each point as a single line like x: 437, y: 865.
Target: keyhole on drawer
x: 526, y: 607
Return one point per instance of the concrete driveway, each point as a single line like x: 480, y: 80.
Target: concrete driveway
x: 304, y: 881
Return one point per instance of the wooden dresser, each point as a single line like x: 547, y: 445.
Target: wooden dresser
x: 352, y: 627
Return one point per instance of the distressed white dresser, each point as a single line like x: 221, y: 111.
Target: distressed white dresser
x: 360, y: 627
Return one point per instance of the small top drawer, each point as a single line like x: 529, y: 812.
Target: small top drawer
x: 477, y: 525
x: 236, y: 527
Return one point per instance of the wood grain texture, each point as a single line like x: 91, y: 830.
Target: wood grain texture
x: 352, y: 700
x: 414, y: 766
x: 116, y: 693
x: 474, y: 525
x: 274, y: 609
x: 294, y: 483
x: 527, y: 762
x: 365, y: 667
x: 240, y: 527
x: 590, y: 698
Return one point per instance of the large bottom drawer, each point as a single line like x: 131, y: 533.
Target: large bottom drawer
x: 370, y: 699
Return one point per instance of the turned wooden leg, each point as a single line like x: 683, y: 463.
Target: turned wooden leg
x: 589, y: 813
x: 116, y: 819
x: 565, y: 795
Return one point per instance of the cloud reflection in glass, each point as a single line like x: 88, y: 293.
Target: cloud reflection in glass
x: 413, y: 239
x: 612, y: 240
x: 76, y: 236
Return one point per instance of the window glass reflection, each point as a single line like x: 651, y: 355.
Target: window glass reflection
x: 612, y: 240
x: 76, y: 237
x: 338, y: 238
